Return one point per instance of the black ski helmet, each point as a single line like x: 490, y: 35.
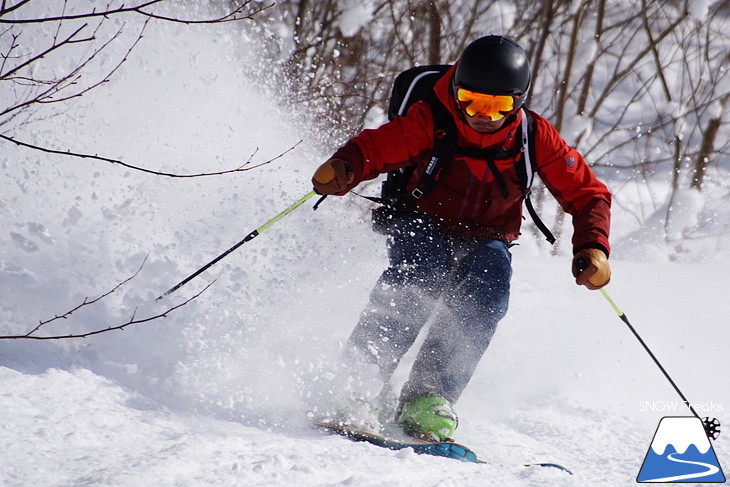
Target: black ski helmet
x: 494, y: 65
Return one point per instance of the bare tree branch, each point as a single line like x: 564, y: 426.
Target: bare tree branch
x: 232, y: 16
x: 235, y: 14
x: 6, y: 10
x: 71, y: 78
x: 244, y: 167
x: 133, y: 320
x: 88, y: 302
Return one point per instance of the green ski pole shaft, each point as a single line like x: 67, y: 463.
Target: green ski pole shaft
x: 248, y: 237
x: 623, y: 317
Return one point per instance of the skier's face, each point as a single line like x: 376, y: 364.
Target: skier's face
x: 483, y: 112
x: 484, y: 125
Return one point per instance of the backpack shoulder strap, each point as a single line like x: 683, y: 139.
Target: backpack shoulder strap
x: 526, y: 168
x: 526, y: 165
x: 410, y: 86
x: 444, y: 147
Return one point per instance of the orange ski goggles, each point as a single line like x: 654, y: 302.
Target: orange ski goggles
x: 493, y: 107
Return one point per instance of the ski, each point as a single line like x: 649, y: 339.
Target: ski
x: 446, y: 449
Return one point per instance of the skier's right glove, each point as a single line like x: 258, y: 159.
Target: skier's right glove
x: 333, y: 177
x: 591, y: 269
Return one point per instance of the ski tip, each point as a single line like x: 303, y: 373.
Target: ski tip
x: 550, y: 465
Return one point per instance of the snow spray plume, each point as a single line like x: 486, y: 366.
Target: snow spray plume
x: 712, y: 426
x: 248, y: 237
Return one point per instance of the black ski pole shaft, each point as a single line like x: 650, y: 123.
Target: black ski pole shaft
x: 248, y: 237
x: 623, y: 317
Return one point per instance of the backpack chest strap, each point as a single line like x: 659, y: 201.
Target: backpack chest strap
x: 489, y: 156
x: 492, y: 153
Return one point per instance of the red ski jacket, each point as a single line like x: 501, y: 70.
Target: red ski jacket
x: 467, y: 200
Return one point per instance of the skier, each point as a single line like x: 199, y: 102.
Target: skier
x: 448, y: 251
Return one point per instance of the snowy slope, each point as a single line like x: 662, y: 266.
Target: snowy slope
x: 216, y: 393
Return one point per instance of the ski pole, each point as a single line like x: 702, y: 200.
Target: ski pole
x: 712, y: 426
x: 623, y: 317
x: 248, y: 237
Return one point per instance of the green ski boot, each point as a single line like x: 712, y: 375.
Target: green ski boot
x: 430, y: 417
x: 358, y: 413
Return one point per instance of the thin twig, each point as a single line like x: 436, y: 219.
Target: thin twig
x: 231, y: 16
x: 88, y: 302
x: 130, y: 322
x: 69, y: 153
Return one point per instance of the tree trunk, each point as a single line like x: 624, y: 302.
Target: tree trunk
x: 707, y: 146
x: 434, y: 40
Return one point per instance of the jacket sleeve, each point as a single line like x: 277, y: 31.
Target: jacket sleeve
x: 402, y: 142
x: 568, y: 177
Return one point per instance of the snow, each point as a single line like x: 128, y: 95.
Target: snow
x: 355, y: 15
x: 217, y: 392
x: 699, y: 9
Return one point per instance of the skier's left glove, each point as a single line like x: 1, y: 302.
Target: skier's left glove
x: 591, y: 269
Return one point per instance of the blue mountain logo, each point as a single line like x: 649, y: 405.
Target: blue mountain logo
x: 681, y: 452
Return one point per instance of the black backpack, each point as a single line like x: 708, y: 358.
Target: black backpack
x: 417, y: 84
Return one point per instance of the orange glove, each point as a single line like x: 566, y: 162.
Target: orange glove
x: 333, y: 177
x: 591, y: 269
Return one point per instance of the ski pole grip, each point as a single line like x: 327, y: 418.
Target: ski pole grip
x: 581, y: 263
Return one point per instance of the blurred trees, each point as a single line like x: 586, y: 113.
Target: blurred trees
x: 640, y: 87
